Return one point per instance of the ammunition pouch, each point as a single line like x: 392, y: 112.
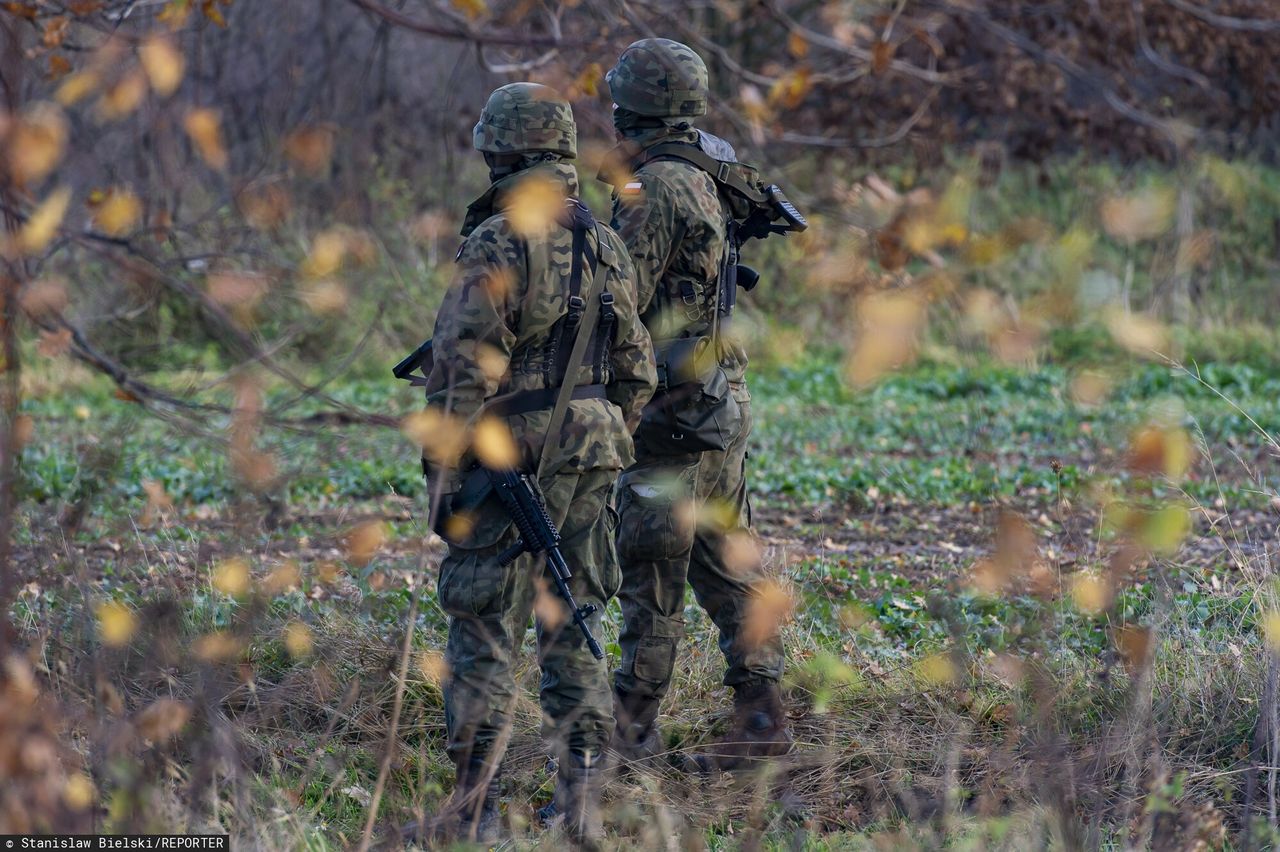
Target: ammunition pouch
x: 459, y: 515
x: 694, y: 409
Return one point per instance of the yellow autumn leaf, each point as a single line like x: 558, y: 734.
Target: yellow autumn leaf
x: 327, y: 252
x: 936, y: 670
x: 534, y: 206
x: 1271, y: 630
x: 1139, y: 333
x: 473, y: 9
x: 1091, y: 593
x: 890, y: 325
x: 325, y: 297
x: 204, y: 126
x: 789, y: 90
x: 433, y: 666
x: 231, y: 577
x: 1164, y: 529
x: 494, y: 446
x: 77, y: 87
x: 122, y: 98
x: 78, y: 792
x: 365, y: 541
x: 43, y: 223
x: 284, y: 578
x: 1139, y: 216
x: 297, y: 639
x: 163, y: 719
x: 770, y: 607
x: 217, y: 647
x: 118, y: 213
x: 36, y: 143
x: 1090, y: 387
x: 753, y: 104
x: 163, y: 63
x: 442, y: 437
x: 116, y: 623
x: 740, y: 553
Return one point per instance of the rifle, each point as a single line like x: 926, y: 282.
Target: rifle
x: 422, y: 357
x: 523, y: 500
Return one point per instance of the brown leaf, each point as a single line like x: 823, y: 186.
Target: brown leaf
x: 310, y: 148
x: 54, y: 343
x: 163, y: 719
x: 1134, y: 644
x: 797, y: 45
x: 36, y: 143
x: 44, y: 297
x: 365, y: 540
x: 59, y: 66
x: 55, y: 31
x: 881, y: 56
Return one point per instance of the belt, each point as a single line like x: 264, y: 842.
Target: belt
x: 522, y: 402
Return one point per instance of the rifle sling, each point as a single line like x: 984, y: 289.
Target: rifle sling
x: 695, y: 156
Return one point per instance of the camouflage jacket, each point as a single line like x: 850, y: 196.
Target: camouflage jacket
x: 673, y: 221
x: 508, y: 292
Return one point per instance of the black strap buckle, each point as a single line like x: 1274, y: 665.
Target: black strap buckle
x: 577, y: 303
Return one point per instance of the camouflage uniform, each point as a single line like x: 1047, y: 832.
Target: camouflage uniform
x: 495, y: 333
x: 672, y: 219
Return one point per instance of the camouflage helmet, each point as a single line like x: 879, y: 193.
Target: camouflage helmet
x: 659, y: 77
x: 525, y: 117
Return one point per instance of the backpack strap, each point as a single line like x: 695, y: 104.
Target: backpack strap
x: 582, y: 337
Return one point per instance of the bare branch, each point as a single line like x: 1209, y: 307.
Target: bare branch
x: 403, y: 21
x: 1227, y: 22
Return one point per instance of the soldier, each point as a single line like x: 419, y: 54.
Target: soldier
x: 526, y: 280
x: 674, y: 222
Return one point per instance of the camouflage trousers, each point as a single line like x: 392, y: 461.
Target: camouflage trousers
x: 676, y: 513
x: 489, y: 606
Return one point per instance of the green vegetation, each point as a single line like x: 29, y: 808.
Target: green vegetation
x: 874, y: 505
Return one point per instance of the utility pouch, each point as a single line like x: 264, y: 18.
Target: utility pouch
x: 460, y: 511
x: 693, y: 410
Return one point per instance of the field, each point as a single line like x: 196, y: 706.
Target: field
x: 933, y: 700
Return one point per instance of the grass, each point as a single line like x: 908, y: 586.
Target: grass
x: 917, y: 690
x: 1095, y: 703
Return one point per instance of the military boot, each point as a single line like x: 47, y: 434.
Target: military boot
x: 636, y: 740
x: 575, y: 805
x: 473, y: 810
x: 759, y: 727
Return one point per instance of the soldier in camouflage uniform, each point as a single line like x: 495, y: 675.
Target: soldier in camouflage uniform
x: 497, y: 335
x: 674, y: 223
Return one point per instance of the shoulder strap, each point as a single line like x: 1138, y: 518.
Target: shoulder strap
x: 721, y: 171
x: 581, y: 340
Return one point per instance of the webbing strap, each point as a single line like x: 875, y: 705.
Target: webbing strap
x: 695, y: 156
x: 581, y: 340
x: 522, y: 402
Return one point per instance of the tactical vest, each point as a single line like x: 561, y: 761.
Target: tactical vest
x: 752, y: 208
x: 550, y: 357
